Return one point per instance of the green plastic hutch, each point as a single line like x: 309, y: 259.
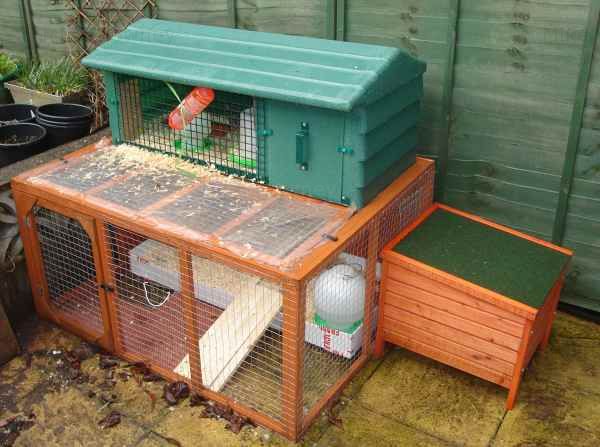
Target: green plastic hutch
x: 329, y: 119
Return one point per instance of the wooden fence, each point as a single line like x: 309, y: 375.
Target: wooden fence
x: 512, y: 107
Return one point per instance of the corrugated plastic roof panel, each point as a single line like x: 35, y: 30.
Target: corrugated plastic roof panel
x: 318, y: 72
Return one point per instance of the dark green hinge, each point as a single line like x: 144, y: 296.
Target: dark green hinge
x: 302, y: 147
x: 345, y: 150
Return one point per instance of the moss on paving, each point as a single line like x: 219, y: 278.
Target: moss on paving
x: 490, y: 258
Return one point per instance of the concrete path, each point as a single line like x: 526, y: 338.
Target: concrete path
x: 402, y: 400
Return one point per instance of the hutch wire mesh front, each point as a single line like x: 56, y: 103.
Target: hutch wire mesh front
x: 209, y: 279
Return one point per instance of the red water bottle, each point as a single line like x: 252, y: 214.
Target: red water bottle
x: 192, y: 105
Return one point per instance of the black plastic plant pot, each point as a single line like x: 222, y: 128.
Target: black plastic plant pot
x: 64, y: 113
x: 63, y: 133
x: 74, y: 122
x: 20, y: 141
x: 16, y: 113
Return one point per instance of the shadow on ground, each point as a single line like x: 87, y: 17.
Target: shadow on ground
x: 404, y: 399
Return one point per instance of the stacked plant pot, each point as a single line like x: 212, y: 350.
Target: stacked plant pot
x: 20, y: 137
x: 64, y: 122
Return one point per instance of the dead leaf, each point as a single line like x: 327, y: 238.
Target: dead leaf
x: 107, y: 361
x: 174, y: 392
x: 196, y: 400
x: 113, y: 418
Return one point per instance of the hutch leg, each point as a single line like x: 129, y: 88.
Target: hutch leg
x: 371, y: 287
x: 552, y: 315
x: 379, y: 338
x: 293, y: 358
x: 190, y: 313
x: 379, y: 344
x: 24, y: 204
x: 513, y: 390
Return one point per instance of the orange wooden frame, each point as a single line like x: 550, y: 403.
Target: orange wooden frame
x: 94, y: 212
x: 537, y: 324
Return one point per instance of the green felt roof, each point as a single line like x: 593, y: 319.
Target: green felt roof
x: 478, y: 253
x: 318, y: 72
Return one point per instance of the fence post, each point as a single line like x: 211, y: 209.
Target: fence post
x: 447, y: 92
x: 28, y: 32
x: 568, y: 172
x: 231, y: 9
x: 340, y: 20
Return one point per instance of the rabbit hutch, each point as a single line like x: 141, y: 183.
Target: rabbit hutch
x: 235, y: 249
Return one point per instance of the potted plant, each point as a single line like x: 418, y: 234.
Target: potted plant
x: 49, y: 82
x: 8, y: 70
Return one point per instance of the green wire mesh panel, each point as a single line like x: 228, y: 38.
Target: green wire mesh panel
x: 224, y: 135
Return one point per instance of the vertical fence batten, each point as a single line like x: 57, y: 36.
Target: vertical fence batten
x: 331, y: 19
x: 568, y: 172
x: 232, y: 12
x: 447, y: 92
x: 27, y: 28
x: 340, y: 20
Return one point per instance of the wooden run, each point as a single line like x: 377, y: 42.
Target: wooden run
x: 460, y: 323
x: 97, y: 217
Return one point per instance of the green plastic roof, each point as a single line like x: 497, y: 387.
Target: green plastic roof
x: 324, y: 73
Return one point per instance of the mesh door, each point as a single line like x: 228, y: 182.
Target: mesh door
x: 69, y: 268
x: 224, y: 135
x: 198, y: 319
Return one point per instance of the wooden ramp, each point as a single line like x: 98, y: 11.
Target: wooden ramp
x: 233, y: 335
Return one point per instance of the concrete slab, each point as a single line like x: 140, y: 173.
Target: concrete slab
x: 569, y: 362
x: 435, y: 399
x: 363, y: 427
x: 568, y: 326
x: 67, y: 418
x: 188, y: 427
x: 551, y: 415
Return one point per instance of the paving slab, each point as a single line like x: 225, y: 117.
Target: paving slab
x: 569, y: 326
x: 137, y: 399
x: 571, y: 362
x: 548, y: 414
x: 361, y: 378
x: 434, y: 398
x: 363, y: 427
x: 69, y: 419
x: 186, y: 425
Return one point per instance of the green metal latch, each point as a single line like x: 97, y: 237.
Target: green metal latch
x: 302, y: 146
x: 345, y: 150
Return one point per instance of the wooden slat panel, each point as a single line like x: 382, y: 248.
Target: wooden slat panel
x: 455, y: 308
x: 447, y: 358
x: 450, y: 333
x: 401, y: 274
x: 470, y: 327
x: 449, y: 346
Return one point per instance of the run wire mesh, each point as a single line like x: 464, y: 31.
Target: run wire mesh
x: 220, y: 322
x: 224, y: 135
x: 195, y: 318
x: 69, y: 268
